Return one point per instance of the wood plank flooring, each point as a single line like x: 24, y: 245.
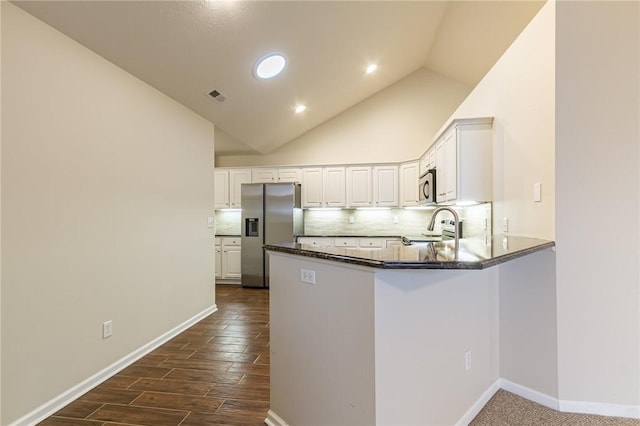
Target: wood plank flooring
x: 216, y: 372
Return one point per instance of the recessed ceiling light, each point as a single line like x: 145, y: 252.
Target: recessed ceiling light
x: 269, y: 66
x: 299, y: 109
x: 371, y: 68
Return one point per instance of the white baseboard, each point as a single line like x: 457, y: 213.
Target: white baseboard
x: 582, y: 407
x: 530, y: 394
x: 274, y: 420
x: 602, y: 409
x: 473, y: 411
x: 55, y: 404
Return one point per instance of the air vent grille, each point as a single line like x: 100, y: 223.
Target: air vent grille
x: 217, y: 96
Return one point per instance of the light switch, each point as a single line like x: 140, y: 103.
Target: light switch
x: 537, y: 192
x: 352, y: 219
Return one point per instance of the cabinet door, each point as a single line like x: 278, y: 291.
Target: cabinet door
x: 409, y: 184
x: 290, y: 175
x: 334, y: 186
x: 359, y: 187
x: 312, y: 187
x: 264, y: 175
x: 217, y: 261
x: 441, y: 192
x: 221, y: 189
x: 450, y: 165
x: 236, y: 178
x: 231, y: 262
x: 385, y: 186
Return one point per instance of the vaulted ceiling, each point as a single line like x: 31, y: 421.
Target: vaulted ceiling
x: 186, y: 49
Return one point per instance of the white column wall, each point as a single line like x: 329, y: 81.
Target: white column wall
x: 598, y: 197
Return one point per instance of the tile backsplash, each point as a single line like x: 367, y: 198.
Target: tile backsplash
x: 393, y: 222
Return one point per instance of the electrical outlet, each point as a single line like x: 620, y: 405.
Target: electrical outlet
x: 395, y: 219
x: 211, y: 221
x: 107, y: 329
x: 505, y: 224
x: 352, y: 219
x: 308, y: 276
x: 467, y: 360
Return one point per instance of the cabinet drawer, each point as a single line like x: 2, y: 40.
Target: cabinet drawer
x: 231, y: 241
x: 345, y: 242
x: 320, y: 242
x: 394, y: 243
x: 372, y: 242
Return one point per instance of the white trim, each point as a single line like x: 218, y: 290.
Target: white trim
x: 530, y: 394
x: 274, y: 420
x: 473, y: 411
x: 58, y: 402
x: 601, y: 408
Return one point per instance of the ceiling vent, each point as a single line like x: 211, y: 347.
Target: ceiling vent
x: 217, y: 96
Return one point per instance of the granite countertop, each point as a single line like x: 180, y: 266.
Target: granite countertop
x: 472, y: 253
x: 405, y: 238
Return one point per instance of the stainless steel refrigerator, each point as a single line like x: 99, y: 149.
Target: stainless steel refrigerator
x: 271, y: 214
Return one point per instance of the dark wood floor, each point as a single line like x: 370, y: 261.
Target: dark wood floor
x: 216, y: 372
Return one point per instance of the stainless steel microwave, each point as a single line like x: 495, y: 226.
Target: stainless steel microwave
x: 427, y: 187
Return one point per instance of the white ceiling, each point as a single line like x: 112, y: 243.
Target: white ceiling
x: 188, y: 48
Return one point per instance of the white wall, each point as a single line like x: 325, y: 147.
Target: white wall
x: 425, y: 322
x: 396, y: 124
x: 519, y: 92
x: 528, y: 323
x: 106, y: 187
x: 322, y: 342
x: 597, y: 183
x: 0, y: 215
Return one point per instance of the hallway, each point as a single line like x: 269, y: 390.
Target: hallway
x: 216, y: 372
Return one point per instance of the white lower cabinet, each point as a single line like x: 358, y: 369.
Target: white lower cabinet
x: 217, y: 258
x: 228, y: 259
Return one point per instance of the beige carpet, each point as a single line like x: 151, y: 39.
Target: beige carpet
x: 506, y: 408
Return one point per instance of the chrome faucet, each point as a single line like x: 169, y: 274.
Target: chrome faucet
x: 456, y: 220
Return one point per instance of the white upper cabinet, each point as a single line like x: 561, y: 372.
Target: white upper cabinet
x: 440, y: 162
x: 267, y: 175
x: 264, y: 175
x: 312, y: 195
x: 462, y: 156
x: 385, y: 186
x: 236, y: 178
x: 359, y: 186
x: 290, y: 175
x: 334, y: 187
x: 450, y: 165
x: 221, y: 189
x: 464, y: 164
x: 409, y: 174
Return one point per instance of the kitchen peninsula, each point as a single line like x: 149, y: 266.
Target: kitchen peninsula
x: 407, y: 335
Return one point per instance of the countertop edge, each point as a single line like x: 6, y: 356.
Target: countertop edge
x: 400, y: 264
